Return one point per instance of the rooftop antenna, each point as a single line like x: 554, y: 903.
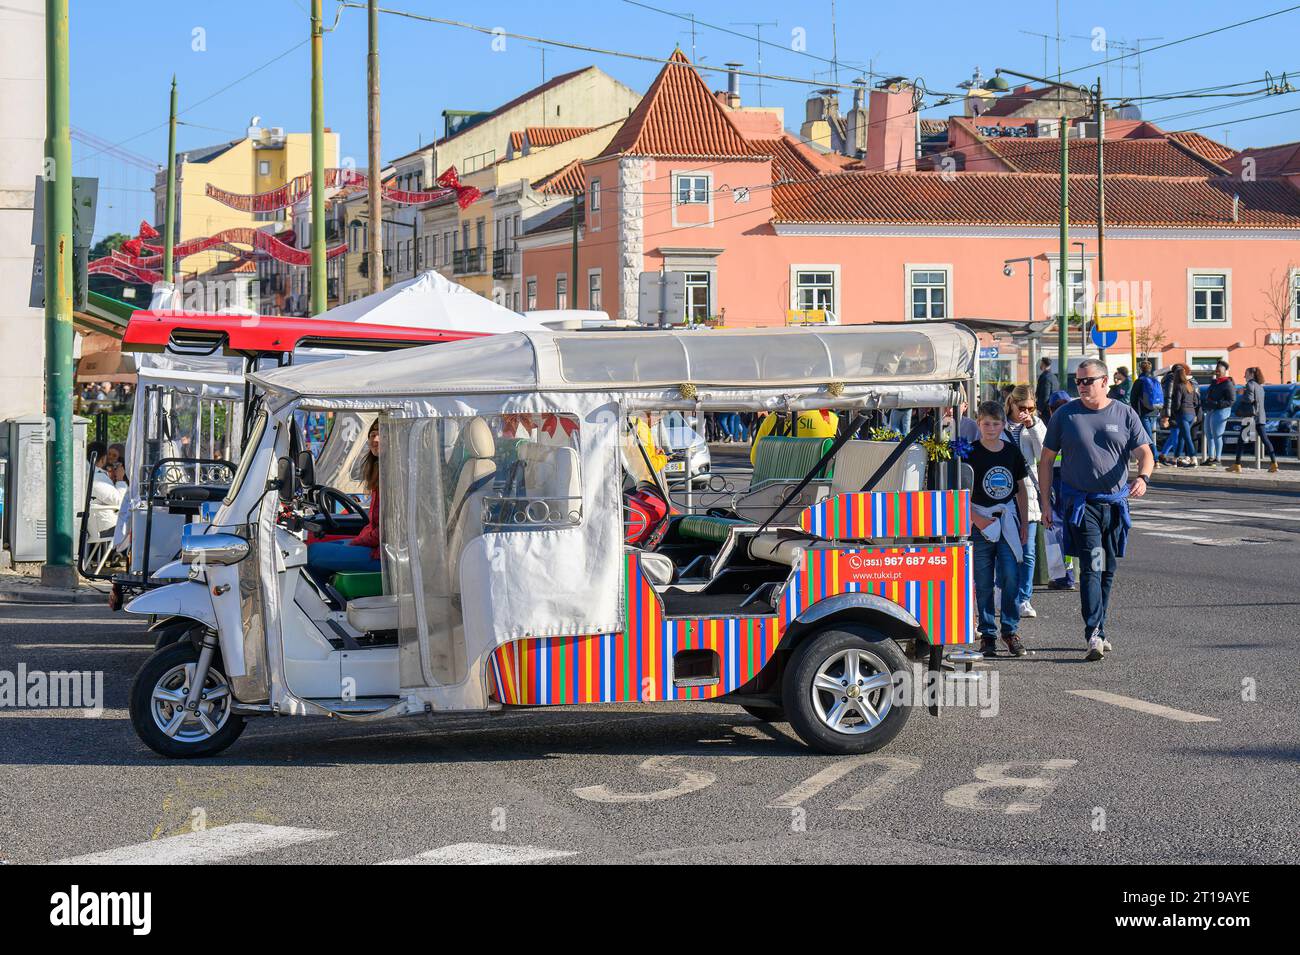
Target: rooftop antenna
x: 543, y: 83
x: 1045, y: 37
x: 1138, y: 46
x: 835, y: 57
x: 691, y: 17
x: 758, y: 35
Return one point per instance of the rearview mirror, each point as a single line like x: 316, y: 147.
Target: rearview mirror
x: 285, y: 478
x: 306, y: 469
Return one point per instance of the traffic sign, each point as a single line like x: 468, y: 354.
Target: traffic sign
x: 1102, y: 338
x: 661, y: 298
x: 1112, y: 317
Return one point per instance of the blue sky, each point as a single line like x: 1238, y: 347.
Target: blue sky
x: 125, y: 51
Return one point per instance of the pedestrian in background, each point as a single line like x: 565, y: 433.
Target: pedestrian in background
x: 1219, y: 399
x: 1252, y: 409
x: 1026, y: 431
x: 1095, y: 437
x: 1182, y: 406
x: 1000, y: 511
x: 1147, y: 398
x: 1123, y: 385
x: 1056, y: 401
x: 1046, y: 384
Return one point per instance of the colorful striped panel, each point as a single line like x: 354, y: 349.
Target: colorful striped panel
x: 934, y: 584
x: 889, y: 514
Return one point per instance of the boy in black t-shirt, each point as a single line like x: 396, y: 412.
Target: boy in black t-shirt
x: 1000, y: 506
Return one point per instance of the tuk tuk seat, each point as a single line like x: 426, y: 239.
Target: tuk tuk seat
x: 778, y: 463
x: 373, y: 614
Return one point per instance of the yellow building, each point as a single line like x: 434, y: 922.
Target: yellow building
x: 265, y: 159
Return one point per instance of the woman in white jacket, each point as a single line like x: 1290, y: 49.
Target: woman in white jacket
x: 1025, y: 430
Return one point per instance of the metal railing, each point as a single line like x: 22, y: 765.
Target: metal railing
x: 468, y: 261
x: 503, y: 263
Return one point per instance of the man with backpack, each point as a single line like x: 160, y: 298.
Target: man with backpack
x: 1148, y: 399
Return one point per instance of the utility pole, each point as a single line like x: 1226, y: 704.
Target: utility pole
x: 573, y: 282
x: 374, y: 234
x: 318, y: 300
x: 58, y: 568
x: 169, y: 218
x: 1101, y: 209
x: 1063, y: 323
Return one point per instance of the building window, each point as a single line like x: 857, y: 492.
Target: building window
x: 692, y: 190
x: 1295, y: 297
x: 928, y: 297
x: 594, y: 189
x: 446, y: 247
x: 697, y: 296
x: 561, y: 291
x: 264, y: 167
x: 1209, y: 298
x: 593, y: 289
x: 531, y: 303
x: 815, y: 290
x: 480, y: 233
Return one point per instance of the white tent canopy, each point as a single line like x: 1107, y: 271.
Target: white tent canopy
x: 922, y: 353
x: 431, y: 301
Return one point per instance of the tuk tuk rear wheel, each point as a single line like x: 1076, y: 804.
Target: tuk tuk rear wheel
x: 839, y: 690
x: 158, y: 716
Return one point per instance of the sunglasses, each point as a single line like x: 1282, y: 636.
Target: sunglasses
x: 1092, y: 380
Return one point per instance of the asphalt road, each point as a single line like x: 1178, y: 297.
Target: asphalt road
x: 1204, y: 625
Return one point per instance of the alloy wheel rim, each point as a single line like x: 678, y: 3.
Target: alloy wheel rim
x: 167, y: 704
x: 852, y: 691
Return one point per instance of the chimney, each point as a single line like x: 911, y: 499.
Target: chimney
x: 733, y: 84
x: 856, y: 122
x: 891, y: 141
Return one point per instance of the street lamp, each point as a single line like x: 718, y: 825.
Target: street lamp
x: 1008, y: 269
x: 999, y: 84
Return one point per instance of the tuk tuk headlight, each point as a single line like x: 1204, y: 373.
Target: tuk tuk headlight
x: 214, y: 549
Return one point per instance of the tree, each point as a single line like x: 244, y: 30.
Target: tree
x: 109, y: 243
x: 1149, y: 338
x: 1281, y: 300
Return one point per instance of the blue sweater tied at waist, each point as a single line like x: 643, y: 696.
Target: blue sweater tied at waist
x: 1073, y: 502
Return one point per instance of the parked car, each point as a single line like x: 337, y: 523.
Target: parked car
x: 1281, y: 402
x: 686, y: 448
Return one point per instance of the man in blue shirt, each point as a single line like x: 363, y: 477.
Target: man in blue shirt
x: 1095, y: 436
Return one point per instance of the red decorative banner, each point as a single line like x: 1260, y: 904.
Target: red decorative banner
x: 114, y: 265
x: 299, y: 188
x: 272, y: 245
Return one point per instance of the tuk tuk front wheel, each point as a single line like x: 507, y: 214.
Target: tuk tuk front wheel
x: 157, y: 705
x: 839, y: 691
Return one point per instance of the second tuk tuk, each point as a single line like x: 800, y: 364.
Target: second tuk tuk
x: 798, y: 591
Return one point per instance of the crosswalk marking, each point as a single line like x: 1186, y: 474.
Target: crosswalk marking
x: 1143, y: 706
x: 1270, y: 516
x: 210, y: 845
x: 483, y: 853
x: 64, y: 713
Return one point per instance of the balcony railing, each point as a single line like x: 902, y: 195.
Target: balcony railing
x: 468, y: 261
x: 503, y: 263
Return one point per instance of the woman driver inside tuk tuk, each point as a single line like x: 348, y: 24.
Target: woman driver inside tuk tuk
x: 361, y: 553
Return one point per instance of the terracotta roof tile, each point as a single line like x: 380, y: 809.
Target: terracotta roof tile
x: 679, y: 117
x: 1137, y: 157
x: 1204, y: 146
x: 567, y: 181
x: 1283, y: 160
x: 990, y: 198
x: 792, y: 159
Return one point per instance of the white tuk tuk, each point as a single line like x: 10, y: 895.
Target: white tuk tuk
x: 506, y: 574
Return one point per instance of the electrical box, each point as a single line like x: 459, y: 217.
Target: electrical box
x: 24, y: 499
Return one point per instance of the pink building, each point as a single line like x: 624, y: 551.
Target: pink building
x: 1201, y: 242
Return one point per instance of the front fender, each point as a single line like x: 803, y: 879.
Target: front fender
x: 187, y: 599
x: 883, y: 615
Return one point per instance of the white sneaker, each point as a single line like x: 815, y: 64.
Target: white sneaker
x: 1027, y: 610
x: 1096, y: 648
x: 1105, y: 645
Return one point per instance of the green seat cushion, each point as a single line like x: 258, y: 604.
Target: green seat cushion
x: 361, y: 584
x: 787, y: 459
x: 706, y: 528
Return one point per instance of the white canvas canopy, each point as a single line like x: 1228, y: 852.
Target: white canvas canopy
x: 929, y: 353
x: 431, y: 301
